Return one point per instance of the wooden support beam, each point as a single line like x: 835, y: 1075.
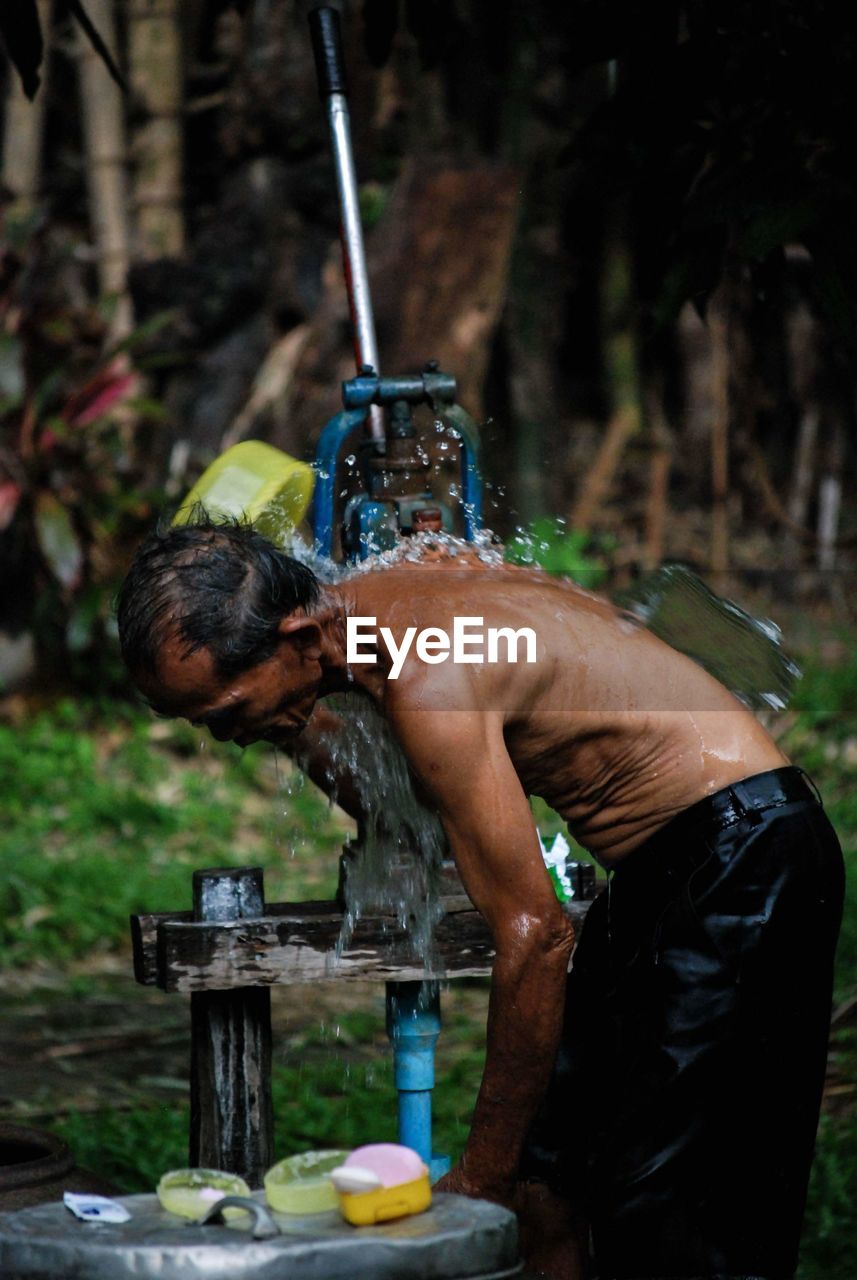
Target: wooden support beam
x: 296, y: 943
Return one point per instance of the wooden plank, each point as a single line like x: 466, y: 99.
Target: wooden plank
x: 145, y: 925
x: 296, y: 947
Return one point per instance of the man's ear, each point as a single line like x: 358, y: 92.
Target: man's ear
x: 304, y: 634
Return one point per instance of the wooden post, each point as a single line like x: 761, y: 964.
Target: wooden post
x: 231, y: 1109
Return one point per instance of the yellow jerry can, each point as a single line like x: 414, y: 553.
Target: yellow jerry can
x: 253, y: 481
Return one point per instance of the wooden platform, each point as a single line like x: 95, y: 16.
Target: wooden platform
x: 298, y: 942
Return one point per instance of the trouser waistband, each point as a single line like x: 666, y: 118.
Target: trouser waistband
x: 682, y: 840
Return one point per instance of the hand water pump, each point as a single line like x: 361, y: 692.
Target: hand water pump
x: 394, y: 484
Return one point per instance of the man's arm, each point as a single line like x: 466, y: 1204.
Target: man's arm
x: 461, y: 758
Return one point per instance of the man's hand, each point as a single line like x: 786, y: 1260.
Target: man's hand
x: 457, y: 1181
x: 554, y: 1237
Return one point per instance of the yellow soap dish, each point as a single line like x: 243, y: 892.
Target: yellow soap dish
x: 386, y: 1203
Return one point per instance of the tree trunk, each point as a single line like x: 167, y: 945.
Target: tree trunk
x: 718, y: 323
x: 104, y: 140
x: 438, y: 264
x: 622, y: 375
x: 802, y: 343
x: 154, y: 54
x: 24, y: 128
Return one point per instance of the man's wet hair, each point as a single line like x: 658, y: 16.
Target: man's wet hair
x: 215, y: 585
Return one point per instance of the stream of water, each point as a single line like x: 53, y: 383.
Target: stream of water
x: 396, y: 871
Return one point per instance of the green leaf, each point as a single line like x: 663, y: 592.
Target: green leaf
x: 11, y: 369
x: 80, y: 628
x: 58, y: 542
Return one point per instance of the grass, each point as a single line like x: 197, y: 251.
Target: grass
x: 332, y: 1086
x: 107, y: 813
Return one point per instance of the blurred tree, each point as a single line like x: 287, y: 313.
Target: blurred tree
x: 155, y: 60
x: 21, y: 29
x: 106, y: 171
x: 23, y: 129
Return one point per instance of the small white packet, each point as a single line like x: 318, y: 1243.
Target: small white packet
x: 95, y: 1208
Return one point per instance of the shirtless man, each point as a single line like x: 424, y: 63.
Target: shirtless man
x: 668, y: 1093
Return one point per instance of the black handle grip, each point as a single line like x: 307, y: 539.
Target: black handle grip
x: 327, y: 47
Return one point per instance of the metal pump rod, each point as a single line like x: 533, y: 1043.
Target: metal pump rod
x: 330, y: 67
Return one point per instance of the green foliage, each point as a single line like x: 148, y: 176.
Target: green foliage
x: 374, y: 199
x: 823, y: 740
x: 129, y: 1148
x: 826, y: 697
x: 551, y: 545
x: 729, y: 137
x: 830, y: 1229
x: 71, y: 492
x: 102, y: 820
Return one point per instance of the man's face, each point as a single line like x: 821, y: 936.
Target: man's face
x: 270, y: 702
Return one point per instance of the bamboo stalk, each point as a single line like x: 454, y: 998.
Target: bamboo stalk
x: 802, y: 346
x: 660, y: 465
x: 24, y: 129
x: 804, y: 465
x: 719, y: 328
x: 622, y: 374
x: 104, y: 139
x: 155, y: 60
x: 830, y: 500
x: 596, y: 484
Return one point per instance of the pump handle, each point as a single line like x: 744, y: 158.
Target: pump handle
x: 327, y: 47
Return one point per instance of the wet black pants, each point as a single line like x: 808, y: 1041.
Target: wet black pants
x: 684, y: 1103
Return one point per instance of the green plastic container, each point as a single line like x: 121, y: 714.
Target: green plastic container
x: 301, y: 1183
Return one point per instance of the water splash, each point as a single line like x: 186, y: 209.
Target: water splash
x: 744, y: 653
x: 396, y: 869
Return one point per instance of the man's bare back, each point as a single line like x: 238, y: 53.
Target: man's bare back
x: 614, y: 729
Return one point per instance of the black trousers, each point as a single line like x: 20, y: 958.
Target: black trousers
x: 683, y: 1107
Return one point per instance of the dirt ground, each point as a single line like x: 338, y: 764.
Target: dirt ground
x: 102, y: 1041
x: 99, y: 1040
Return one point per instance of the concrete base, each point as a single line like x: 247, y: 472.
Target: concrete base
x: 457, y: 1239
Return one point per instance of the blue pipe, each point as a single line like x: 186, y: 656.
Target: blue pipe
x: 471, y: 478
x: 413, y: 1025
x: 334, y: 435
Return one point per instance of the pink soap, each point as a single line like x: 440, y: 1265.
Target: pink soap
x: 389, y: 1162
